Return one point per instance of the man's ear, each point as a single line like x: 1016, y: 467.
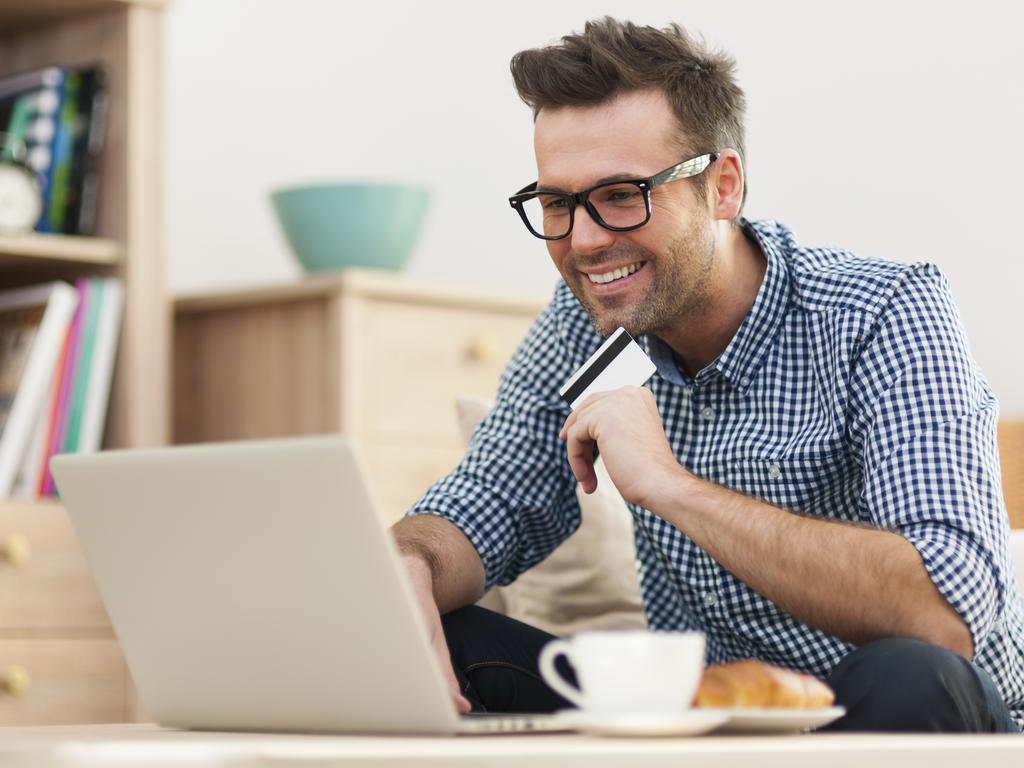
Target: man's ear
x: 727, y: 182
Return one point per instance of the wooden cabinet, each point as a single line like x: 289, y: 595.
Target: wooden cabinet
x: 45, y: 582
x: 373, y: 355
x: 72, y: 679
x: 59, y: 659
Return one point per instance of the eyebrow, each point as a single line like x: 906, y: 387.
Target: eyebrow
x: 605, y: 180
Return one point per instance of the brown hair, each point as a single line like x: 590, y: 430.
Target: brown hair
x: 612, y: 57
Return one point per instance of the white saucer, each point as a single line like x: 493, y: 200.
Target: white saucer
x: 689, y: 723
x: 778, y: 720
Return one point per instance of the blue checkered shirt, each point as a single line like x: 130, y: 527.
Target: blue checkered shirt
x: 848, y: 392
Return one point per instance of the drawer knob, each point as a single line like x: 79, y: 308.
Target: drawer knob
x: 16, y: 550
x: 16, y: 680
x: 483, y: 349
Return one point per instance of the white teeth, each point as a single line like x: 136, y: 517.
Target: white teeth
x: 615, y: 274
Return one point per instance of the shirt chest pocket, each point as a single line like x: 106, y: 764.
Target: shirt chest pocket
x: 825, y: 484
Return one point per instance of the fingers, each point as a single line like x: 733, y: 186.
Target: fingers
x: 440, y: 646
x: 580, y: 450
x: 420, y: 577
x: 585, y: 405
x: 581, y: 446
x: 461, y: 702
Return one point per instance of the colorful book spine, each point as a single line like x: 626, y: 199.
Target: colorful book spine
x: 54, y: 120
x: 32, y: 323
x: 28, y: 483
x: 41, y: 132
x: 48, y: 425
x: 60, y: 422
x: 14, y: 139
x: 73, y: 413
x: 84, y: 368
x: 90, y: 129
x: 104, y: 353
x: 58, y: 193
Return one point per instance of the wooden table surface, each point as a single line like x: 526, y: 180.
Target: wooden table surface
x: 139, y: 746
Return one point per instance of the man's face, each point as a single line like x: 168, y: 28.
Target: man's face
x: 632, y: 136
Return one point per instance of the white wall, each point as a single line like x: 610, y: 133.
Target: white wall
x: 891, y: 128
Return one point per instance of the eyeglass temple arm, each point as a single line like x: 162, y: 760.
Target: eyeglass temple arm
x: 685, y: 170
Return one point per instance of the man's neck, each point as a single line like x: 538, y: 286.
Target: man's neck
x: 739, y: 271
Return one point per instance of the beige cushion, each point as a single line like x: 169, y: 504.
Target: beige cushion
x: 590, y: 581
x: 1017, y: 556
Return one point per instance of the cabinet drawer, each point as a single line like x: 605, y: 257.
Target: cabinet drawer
x: 416, y: 359
x: 73, y: 680
x: 53, y: 586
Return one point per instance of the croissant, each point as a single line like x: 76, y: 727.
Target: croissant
x: 747, y: 684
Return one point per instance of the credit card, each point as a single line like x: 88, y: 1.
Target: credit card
x: 619, y: 362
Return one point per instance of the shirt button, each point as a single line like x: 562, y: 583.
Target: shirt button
x: 710, y: 599
x: 774, y: 471
x: 744, y: 382
x: 707, y: 413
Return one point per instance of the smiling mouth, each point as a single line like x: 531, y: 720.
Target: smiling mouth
x: 603, y: 278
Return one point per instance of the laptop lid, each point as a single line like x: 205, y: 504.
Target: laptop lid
x: 254, y: 587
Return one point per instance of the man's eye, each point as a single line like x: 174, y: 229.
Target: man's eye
x: 622, y: 195
x: 554, y: 203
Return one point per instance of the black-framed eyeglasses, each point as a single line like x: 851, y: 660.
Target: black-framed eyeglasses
x: 616, y: 205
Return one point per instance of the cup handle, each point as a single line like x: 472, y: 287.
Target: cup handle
x: 551, y: 676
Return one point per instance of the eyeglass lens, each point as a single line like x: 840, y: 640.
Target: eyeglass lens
x: 617, y: 205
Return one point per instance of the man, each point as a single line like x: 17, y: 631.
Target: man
x: 812, y: 471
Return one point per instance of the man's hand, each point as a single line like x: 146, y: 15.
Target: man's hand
x: 626, y: 426
x: 422, y: 584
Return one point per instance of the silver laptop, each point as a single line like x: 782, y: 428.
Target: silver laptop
x: 253, y: 586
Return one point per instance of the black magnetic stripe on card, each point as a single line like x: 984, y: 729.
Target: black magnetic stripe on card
x: 597, y: 368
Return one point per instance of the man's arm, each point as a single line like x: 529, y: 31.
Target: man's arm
x: 856, y: 583
x: 511, y: 500
x: 453, y: 566
x: 446, y: 573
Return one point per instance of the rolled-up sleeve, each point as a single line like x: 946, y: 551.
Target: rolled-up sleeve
x: 925, y: 429
x: 513, y: 494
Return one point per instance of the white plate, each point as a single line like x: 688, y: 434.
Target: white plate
x: 778, y: 720
x: 689, y: 723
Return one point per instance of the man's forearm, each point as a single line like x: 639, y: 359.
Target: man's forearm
x: 854, y: 582
x: 457, y: 573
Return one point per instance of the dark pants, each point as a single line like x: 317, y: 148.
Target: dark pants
x: 888, y: 685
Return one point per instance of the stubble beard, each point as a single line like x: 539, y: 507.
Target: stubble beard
x: 680, y: 286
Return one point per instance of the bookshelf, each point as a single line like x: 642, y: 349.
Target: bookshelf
x: 51, y: 619
x: 34, y: 251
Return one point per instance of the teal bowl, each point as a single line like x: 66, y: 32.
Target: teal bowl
x: 333, y: 226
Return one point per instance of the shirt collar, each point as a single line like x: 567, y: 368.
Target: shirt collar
x: 744, y: 355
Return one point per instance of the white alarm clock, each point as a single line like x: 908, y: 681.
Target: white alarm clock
x: 21, y: 197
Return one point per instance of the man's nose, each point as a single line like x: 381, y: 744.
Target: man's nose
x: 589, y: 237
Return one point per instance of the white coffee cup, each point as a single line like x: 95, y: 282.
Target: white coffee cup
x: 628, y: 671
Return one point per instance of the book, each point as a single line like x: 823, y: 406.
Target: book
x: 54, y: 120
x: 55, y: 441
x: 33, y: 322
x: 104, y: 353
x: 90, y: 133
x: 93, y: 290
x: 58, y: 193
x: 34, y: 468
x: 25, y: 82
x: 40, y: 134
x: 80, y: 388
x: 15, y: 114
x: 28, y: 481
